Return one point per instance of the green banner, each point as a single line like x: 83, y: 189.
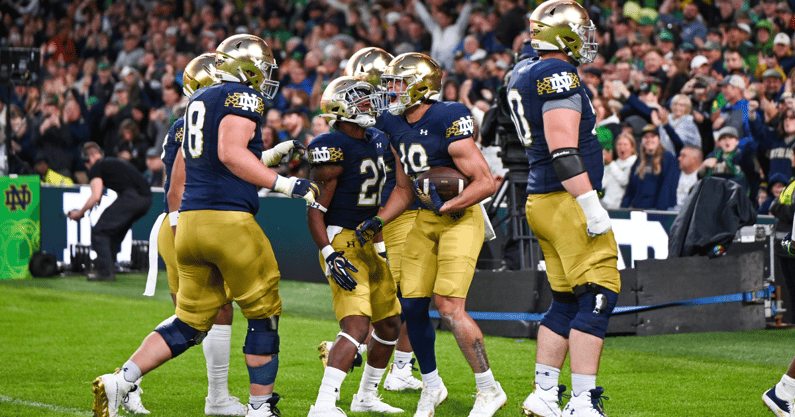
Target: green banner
x: 19, y: 224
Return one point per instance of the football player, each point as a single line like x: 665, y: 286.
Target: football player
x: 218, y: 242
x: 368, y: 64
x: 555, y: 120
x: 446, y: 237
x: 348, y: 165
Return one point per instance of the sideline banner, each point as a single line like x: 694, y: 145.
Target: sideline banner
x: 19, y: 224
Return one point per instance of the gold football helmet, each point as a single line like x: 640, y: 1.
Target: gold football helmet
x: 409, y: 79
x: 564, y: 25
x: 199, y: 73
x: 368, y: 64
x: 249, y: 60
x: 351, y: 100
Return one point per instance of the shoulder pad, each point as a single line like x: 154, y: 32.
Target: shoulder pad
x: 556, y: 78
x: 322, y: 150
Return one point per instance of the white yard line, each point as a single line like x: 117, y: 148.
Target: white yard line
x: 56, y: 408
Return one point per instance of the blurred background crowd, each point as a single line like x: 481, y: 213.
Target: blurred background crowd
x: 682, y: 89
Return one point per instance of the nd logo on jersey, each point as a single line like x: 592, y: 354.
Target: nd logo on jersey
x: 18, y: 197
x: 558, y: 82
x: 463, y: 126
x: 246, y: 101
x: 325, y: 154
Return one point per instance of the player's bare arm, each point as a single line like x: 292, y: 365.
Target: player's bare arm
x: 469, y: 160
x: 325, y: 176
x: 234, y: 133
x: 177, y: 186
x: 561, y: 128
x: 402, y: 196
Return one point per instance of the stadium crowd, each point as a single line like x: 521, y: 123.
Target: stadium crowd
x: 708, y: 83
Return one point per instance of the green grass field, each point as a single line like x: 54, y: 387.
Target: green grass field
x: 57, y: 335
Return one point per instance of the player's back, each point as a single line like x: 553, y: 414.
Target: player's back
x: 357, y: 195
x: 171, y: 145
x: 534, y: 83
x: 209, y: 184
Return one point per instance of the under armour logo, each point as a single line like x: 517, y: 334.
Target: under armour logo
x: 423, y: 132
x: 378, y: 145
x: 351, y: 243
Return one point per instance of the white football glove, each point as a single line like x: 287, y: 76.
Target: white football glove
x: 596, y: 215
x: 273, y: 156
x: 295, y: 187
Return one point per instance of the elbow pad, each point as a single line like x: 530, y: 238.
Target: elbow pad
x: 567, y: 163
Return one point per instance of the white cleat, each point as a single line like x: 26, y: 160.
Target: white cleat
x: 267, y: 409
x: 371, y: 403
x: 131, y: 402
x: 778, y: 406
x: 587, y: 404
x: 488, y: 401
x: 544, y: 403
x: 326, y: 412
x: 229, y: 406
x: 429, y: 400
x: 109, y: 391
x: 399, y: 379
x: 324, y: 348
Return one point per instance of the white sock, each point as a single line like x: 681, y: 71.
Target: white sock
x: 216, y: 351
x: 329, y: 387
x: 402, y: 358
x: 785, y: 389
x: 547, y: 376
x: 256, y: 401
x: 485, y: 380
x: 130, y: 371
x: 581, y: 383
x: 432, y: 379
x: 370, y: 379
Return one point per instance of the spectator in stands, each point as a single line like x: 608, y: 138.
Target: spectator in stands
x: 617, y: 172
x: 48, y: 176
x: 773, y: 83
x: 512, y: 21
x: 690, y: 160
x: 776, y: 144
x: 735, y: 112
x: 652, y: 184
x: 295, y: 122
x: 132, y: 145
x: 782, y: 47
x: 680, y: 119
x: 131, y: 54
x: 693, y: 29
x: 53, y: 139
x: 21, y: 136
x: 728, y: 159
x: 155, y: 173
x: 447, y: 27
x: 273, y: 119
x: 773, y: 190
x: 319, y: 125
x: 116, y: 111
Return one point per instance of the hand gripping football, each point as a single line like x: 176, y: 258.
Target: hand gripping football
x: 449, y: 182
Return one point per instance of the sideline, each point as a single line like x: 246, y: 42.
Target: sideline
x: 56, y: 408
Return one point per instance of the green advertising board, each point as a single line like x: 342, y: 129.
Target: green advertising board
x: 19, y: 224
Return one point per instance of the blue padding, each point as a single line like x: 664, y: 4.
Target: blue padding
x: 594, y: 312
x: 265, y: 374
x: 262, y: 337
x: 420, y: 331
x: 559, y: 317
x: 718, y: 299
x: 179, y: 336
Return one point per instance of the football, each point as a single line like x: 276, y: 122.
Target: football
x: 449, y: 182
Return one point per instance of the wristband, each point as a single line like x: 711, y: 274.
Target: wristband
x: 379, y: 247
x: 380, y: 220
x: 281, y: 185
x: 173, y: 217
x: 326, y: 251
x: 590, y: 203
x: 317, y: 205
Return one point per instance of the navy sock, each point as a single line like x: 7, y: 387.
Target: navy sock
x: 420, y: 331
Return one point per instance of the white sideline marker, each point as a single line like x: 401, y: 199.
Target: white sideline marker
x: 56, y: 408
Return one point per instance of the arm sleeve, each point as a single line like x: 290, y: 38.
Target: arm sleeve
x: 573, y: 102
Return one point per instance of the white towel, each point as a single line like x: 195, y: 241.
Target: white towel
x: 151, y: 277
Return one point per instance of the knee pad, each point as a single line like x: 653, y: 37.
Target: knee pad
x: 596, y: 303
x: 179, y: 336
x: 382, y: 341
x: 262, y: 337
x: 265, y: 374
x: 561, y: 313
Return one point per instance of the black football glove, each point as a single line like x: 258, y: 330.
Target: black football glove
x: 367, y: 229
x: 430, y: 199
x: 338, y: 267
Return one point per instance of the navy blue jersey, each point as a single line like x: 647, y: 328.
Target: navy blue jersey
x: 209, y: 184
x: 535, y: 82
x: 358, y: 193
x: 171, y: 145
x: 423, y: 145
x: 391, y: 176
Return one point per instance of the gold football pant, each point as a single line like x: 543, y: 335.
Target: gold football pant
x: 572, y: 257
x: 394, y: 235
x: 224, y: 247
